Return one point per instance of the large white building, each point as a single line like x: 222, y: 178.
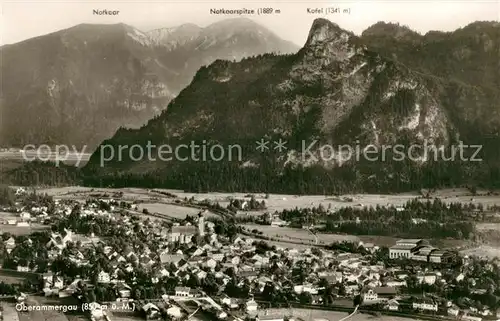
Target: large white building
x: 418, y: 250
x: 182, y: 234
x: 406, y: 248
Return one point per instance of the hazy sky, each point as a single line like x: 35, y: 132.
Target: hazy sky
x: 21, y: 20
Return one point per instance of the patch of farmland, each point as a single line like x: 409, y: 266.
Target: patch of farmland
x: 8, y: 216
x: 22, y: 230
x: 488, y: 226
x: 279, y: 202
x: 9, y: 311
x: 56, y: 191
x: 484, y: 251
x: 11, y: 278
x: 287, y: 234
x: 50, y: 311
x: 174, y: 211
x: 286, y: 245
x: 299, y: 235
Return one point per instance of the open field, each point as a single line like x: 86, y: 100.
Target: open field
x: 42, y: 315
x: 54, y: 315
x: 174, y: 211
x: 11, y: 314
x: 299, y: 235
x: 22, y: 230
x: 9, y: 311
x: 286, y: 245
x: 11, y: 279
x: 15, y: 277
x: 129, y: 194
x: 279, y: 202
x: 8, y: 216
x: 58, y: 191
x: 323, y: 315
x: 288, y: 234
x: 485, y: 251
x: 488, y: 226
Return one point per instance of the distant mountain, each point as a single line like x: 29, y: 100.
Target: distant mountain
x: 79, y: 85
x: 336, y: 90
x: 176, y: 36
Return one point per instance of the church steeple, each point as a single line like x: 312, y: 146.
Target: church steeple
x: 201, y: 223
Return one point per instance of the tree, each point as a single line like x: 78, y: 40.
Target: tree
x: 194, y: 281
x: 91, y: 297
x: 357, y: 300
x: 6, y: 236
x: 138, y: 294
x: 305, y: 298
x: 7, y: 197
x: 210, y: 284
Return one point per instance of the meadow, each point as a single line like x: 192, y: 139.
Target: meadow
x: 174, y: 211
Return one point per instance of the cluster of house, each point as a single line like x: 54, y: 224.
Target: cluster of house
x: 391, y: 301
x: 354, y: 272
x: 276, y: 221
x: 419, y: 250
x: 24, y: 216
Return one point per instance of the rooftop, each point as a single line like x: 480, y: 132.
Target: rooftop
x: 182, y: 289
x: 426, y: 250
x: 190, y: 229
x: 438, y: 253
x: 170, y: 258
x: 385, y: 290
x: 402, y: 247
x: 413, y: 241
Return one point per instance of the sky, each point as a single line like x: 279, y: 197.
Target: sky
x: 20, y: 20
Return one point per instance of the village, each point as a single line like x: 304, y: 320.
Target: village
x: 110, y: 260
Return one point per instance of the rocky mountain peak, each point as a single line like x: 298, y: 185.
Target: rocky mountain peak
x: 323, y: 30
x: 327, y: 40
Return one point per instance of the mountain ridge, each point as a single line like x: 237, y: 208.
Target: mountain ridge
x: 86, y: 81
x: 336, y: 89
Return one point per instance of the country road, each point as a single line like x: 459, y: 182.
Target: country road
x: 350, y: 315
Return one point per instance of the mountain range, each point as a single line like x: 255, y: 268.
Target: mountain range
x: 387, y: 87
x: 78, y: 86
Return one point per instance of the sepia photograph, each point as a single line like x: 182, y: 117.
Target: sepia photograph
x: 250, y: 160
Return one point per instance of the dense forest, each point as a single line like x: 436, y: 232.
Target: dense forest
x: 230, y: 177
x: 429, y: 219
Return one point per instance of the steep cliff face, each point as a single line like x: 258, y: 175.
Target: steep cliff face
x: 335, y: 91
x: 470, y: 55
x: 467, y: 58
x: 78, y: 86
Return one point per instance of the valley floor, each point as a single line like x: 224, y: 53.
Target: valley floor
x: 156, y: 202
